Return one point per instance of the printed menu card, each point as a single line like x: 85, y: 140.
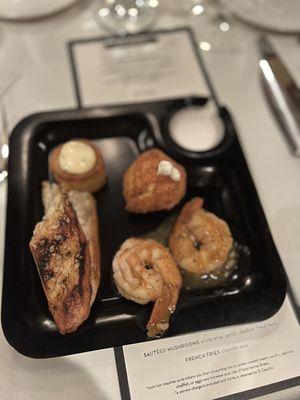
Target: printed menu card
x: 216, y: 363
x: 137, y: 68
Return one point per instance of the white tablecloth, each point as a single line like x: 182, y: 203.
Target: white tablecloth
x: 38, y: 50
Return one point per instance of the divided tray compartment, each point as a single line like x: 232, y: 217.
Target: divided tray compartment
x: 219, y: 175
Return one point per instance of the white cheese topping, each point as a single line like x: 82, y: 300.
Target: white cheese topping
x: 166, y: 168
x: 76, y: 157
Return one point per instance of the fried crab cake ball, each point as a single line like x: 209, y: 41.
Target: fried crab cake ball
x: 200, y: 242
x: 153, y: 182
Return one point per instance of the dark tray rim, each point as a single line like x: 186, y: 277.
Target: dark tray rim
x: 30, y: 121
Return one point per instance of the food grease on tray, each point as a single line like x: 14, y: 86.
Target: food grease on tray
x: 145, y: 271
x: 200, y: 242
x: 78, y: 164
x: 228, y: 271
x: 153, y: 182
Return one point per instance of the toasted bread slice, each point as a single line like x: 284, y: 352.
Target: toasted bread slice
x: 85, y: 206
x: 61, y: 253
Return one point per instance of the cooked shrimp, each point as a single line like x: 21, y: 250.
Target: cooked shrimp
x: 144, y: 271
x: 199, y: 241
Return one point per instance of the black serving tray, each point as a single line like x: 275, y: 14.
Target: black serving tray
x: 220, y: 175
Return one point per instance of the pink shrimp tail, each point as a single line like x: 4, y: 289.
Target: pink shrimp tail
x: 190, y: 208
x: 163, y: 308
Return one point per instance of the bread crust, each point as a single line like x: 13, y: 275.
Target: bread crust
x: 86, y: 210
x: 90, y: 181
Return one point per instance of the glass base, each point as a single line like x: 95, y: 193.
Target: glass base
x: 216, y: 29
x: 126, y: 17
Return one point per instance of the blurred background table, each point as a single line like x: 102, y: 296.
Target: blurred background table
x: 37, y: 51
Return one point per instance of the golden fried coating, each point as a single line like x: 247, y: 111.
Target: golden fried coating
x: 153, y: 182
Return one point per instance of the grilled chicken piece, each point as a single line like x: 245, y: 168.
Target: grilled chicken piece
x: 61, y: 253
